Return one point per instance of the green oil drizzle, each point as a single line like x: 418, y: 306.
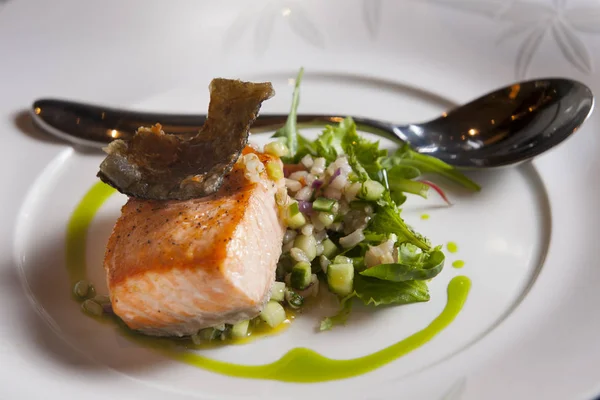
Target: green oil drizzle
x: 305, y: 365
x: 297, y: 365
x: 452, y: 247
x: 458, y: 264
x: 78, y: 227
x: 424, y: 216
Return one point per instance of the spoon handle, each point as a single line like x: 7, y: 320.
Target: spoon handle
x: 96, y: 126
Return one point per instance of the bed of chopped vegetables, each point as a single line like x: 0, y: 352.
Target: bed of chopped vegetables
x: 345, y: 230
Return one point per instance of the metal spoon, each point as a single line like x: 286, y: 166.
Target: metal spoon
x: 507, y: 126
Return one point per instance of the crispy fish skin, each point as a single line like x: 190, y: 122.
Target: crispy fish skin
x: 174, y: 267
x: 154, y: 165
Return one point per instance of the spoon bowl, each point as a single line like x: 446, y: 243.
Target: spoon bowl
x: 504, y: 127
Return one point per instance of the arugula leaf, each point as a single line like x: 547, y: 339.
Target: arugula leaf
x: 372, y: 237
x: 407, y: 157
x: 387, y: 220
x: 368, y: 155
x: 329, y: 144
x: 290, y: 130
x: 398, y: 197
x: 424, y: 266
x: 341, y: 317
x: 377, y: 292
x: 363, y: 155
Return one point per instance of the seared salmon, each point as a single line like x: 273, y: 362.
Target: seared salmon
x: 174, y: 267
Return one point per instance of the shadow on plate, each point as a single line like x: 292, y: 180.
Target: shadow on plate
x: 24, y: 123
x: 56, y: 318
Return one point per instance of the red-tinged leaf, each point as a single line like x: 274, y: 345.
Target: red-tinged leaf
x: 438, y: 190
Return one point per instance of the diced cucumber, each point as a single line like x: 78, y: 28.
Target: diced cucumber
x: 307, y: 244
x: 295, y: 219
x: 342, y: 260
x: 340, y: 278
x: 274, y: 170
x: 240, y: 330
x: 278, y: 291
x: 293, y: 299
x: 276, y: 149
x: 300, y: 278
x: 326, y: 219
x: 293, y: 209
x: 372, y: 190
x: 329, y: 248
x: 273, y: 314
x: 324, y: 204
x: 208, y: 334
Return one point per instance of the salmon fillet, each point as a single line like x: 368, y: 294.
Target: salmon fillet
x: 174, y: 267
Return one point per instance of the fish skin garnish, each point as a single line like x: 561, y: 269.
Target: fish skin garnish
x: 159, y: 166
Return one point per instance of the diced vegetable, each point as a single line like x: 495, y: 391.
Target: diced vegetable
x: 326, y: 218
x: 372, y: 190
x: 342, y: 260
x: 274, y: 170
x: 277, y: 149
x: 319, y: 249
x: 340, y: 278
x: 293, y: 185
x: 273, y: 314
x: 293, y: 209
x: 300, y: 277
x: 307, y: 161
x: 208, y: 334
x: 308, y: 245
x: 307, y: 230
x: 289, y: 236
x: 278, y: 291
x: 298, y: 254
x: 329, y: 248
x: 240, y: 330
x: 295, y: 219
x: 324, y: 204
x: 352, y: 239
x: 293, y: 299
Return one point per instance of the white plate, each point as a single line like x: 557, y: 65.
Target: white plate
x: 528, y: 238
